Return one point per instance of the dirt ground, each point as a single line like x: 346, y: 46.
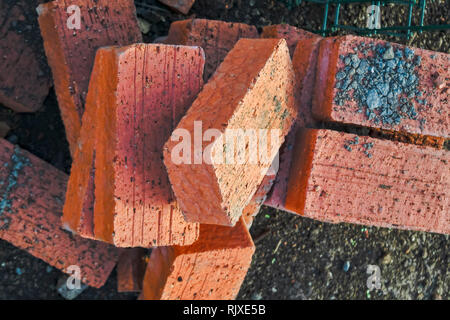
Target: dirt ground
x: 296, y: 258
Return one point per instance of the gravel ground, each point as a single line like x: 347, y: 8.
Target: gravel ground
x: 296, y: 258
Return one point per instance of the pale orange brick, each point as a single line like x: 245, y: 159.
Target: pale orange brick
x: 213, y: 268
x: 255, y: 95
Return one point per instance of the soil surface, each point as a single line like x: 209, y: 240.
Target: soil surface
x: 296, y: 258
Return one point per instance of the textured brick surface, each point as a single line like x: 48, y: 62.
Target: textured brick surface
x: 217, y: 38
x: 180, y: 5
x: 304, y: 62
x: 389, y: 184
x: 213, y: 268
x: 71, y: 53
x: 131, y: 269
x: 32, y: 196
x: 432, y: 116
x: 25, y: 77
x: 257, y: 94
x: 291, y: 34
x: 136, y: 97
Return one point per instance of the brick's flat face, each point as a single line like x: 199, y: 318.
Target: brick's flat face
x: 25, y: 77
x: 378, y: 182
x: 217, y: 38
x: 255, y: 95
x: 35, y: 225
x: 71, y: 52
x: 131, y: 269
x: 377, y: 84
x: 212, y: 268
x: 284, y: 31
x: 180, y: 5
x: 156, y: 85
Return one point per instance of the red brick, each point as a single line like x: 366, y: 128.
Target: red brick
x: 400, y: 185
x: 291, y: 34
x: 71, y: 53
x: 32, y: 194
x: 131, y: 269
x: 257, y: 94
x: 213, y: 268
x: 136, y: 97
x: 432, y: 120
x: 180, y: 5
x: 304, y: 62
x: 25, y: 77
x: 217, y: 38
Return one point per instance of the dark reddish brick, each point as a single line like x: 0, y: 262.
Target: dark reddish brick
x: 32, y: 196
x: 387, y: 184
x: 131, y: 269
x: 217, y: 38
x: 180, y: 5
x: 71, y: 53
x: 25, y: 77
x: 213, y: 268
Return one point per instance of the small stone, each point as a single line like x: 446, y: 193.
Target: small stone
x: 373, y: 100
x: 346, y: 266
x: 387, y: 258
x: 389, y: 54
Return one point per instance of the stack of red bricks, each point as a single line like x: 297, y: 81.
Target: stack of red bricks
x: 149, y: 125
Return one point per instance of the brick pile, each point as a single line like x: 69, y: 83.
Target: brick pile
x: 132, y: 112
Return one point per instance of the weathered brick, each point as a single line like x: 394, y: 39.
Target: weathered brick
x: 217, y: 38
x: 429, y: 112
x: 337, y: 177
x: 25, y: 77
x: 256, y: 95
x: 131, y: 269
x: 304, y: 62
x: 213, y: 268
x: 71, y: 52
x: 136, y: 97
x: 32, y: 193
x: 180, y: 5
x: 291, y: 34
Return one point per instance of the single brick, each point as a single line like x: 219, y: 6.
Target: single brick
x: 250, y: 101
x: 137, y: 95
x: 180, y: 5
x: 32, y: 196
x: 71, y: 52
x: 339, y: 177
x: 213, y: 268
x: 217, y: 38
x: 291, y: 34
x: 304, y: 62
x: 131, y: 269
x: 374, y: 83
x: 25, y: 77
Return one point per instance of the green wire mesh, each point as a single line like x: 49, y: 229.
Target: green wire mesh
x: 398, y: 31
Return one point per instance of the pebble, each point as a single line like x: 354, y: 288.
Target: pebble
x: 346, y: 266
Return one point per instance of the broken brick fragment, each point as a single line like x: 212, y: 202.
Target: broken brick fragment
x: 216, y: 37
x: 339, y: 177
x: 374, y: 83
x: 136, y: 97
x: 25, y: 77
x: 213, y: 268
x: 71, y: 51
x: 182, y: 6
x: 131, y: 269
x: 291, y: 34
x: 304, y: 61
x: 33, y: 223
x: 214, y: 183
